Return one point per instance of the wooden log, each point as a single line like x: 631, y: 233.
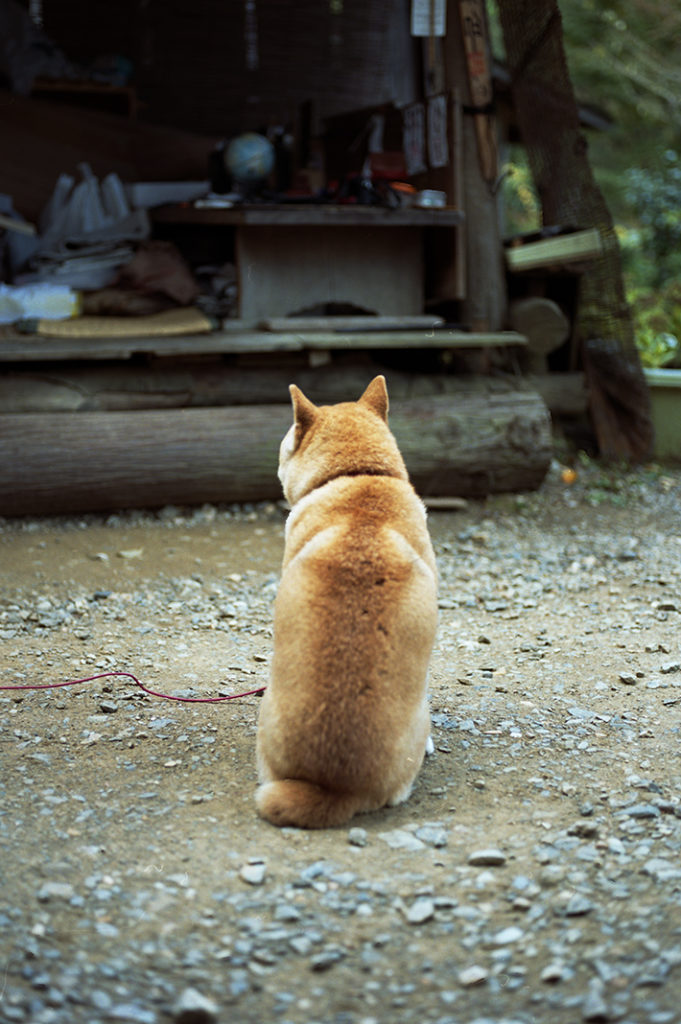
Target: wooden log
x: 86, y: 462
x: 565, y: 394
x: 543, y: 323
x: 127, y: 387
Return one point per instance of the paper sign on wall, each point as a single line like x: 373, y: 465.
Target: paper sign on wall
x: 428, y: 18
x: 414, y: 138
x: 438, y: 149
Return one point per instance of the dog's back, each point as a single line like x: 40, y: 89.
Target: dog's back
x: 344, y: 722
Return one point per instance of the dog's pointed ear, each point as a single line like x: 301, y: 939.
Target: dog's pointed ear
x: 304, y: 411
x: 376, y: 397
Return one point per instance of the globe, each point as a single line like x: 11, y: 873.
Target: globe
x: 249, y: 158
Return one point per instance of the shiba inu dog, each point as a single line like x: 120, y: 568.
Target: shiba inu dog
x: 344, y: 722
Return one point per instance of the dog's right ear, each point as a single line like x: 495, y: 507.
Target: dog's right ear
x: 304, y: 411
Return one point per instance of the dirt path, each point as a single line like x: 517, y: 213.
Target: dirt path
x: 534, y: 876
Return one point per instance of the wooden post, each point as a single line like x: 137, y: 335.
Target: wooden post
x: 485, y: 305
x: 478, y: 57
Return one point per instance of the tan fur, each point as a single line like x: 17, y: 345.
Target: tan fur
x: 344, y: 721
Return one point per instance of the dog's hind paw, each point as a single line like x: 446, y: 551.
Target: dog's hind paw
x: 430, y: 746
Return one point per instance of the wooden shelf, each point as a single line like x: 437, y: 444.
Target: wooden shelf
x: 308, y: 215
x: 548, y: 252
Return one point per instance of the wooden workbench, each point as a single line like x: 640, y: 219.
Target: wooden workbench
x: 293, y: 256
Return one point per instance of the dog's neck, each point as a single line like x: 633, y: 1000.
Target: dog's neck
x: 343, y: 474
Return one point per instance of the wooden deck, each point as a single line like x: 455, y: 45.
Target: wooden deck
x: 19, y: 348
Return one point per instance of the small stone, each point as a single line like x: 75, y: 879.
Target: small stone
x: 661, y: 869
x: 328, y: 958
x: 55, y: 891
x: 553, y: 973
x: 398, y: 839
x: 578, y: 905
x: 641, y: 811
x: 474, y: 975
x: 490, y: 857
x: 628, y: 679
x: 286, y: 912
x: 508, y: 935
x: 670, y: 666
x: 254, y: 872
x: 302, y: 944
x: 584, y: 829
x: 594, y: 1007
x: 106, y: 929
x: 432, y: 835
x: 358, y: 837
x: 100, y: 1000
x: 420, y: 911
x: 131, y: 1013
x: 107, y: 707
x: 194, y: 1008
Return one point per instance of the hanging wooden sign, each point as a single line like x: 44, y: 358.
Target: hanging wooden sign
x: 476, y: 47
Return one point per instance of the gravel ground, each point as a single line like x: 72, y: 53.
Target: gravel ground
x: 534, y: 876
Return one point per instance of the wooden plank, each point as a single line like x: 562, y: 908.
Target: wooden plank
x: 283, y: 270
x: 312, y: 215
x: 31, y: 348
x: 305, y: 324
x: 436, y: 338
x: 35, y: 349
x: 572, y: 248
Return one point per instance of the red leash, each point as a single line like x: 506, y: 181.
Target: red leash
x: 129, y: 675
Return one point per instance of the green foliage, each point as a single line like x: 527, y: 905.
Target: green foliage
x: 652, y: 260
x: 657, y: 324
x: 625, y: 57
x: 655, y: 199
x: 521, y: 206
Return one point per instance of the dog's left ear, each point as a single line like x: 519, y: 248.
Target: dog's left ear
x: 376, y: 397
x: 304, y: 411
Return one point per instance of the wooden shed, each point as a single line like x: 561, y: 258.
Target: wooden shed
x: 373, y: 246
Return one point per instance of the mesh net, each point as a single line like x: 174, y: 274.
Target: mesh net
x: 557, y: 153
